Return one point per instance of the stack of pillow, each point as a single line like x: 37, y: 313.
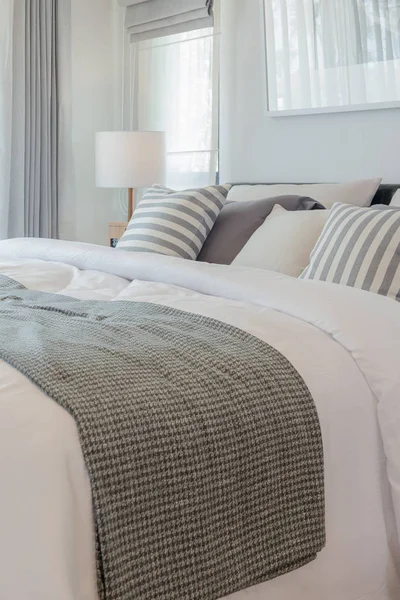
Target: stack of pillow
x: 277, y: 227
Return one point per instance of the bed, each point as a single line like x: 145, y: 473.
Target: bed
x: 347, y: 357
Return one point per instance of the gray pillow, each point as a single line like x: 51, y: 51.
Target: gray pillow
x: 237, y: 222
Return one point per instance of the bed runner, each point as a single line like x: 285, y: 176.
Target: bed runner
x: 202, y: 442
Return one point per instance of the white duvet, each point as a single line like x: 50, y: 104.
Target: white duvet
x: 345, y: 343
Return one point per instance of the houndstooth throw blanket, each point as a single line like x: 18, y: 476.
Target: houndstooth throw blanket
x: 202, y: 443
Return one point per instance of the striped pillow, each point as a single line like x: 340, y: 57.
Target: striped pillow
x: 174, y: 223
x: 359, y: 247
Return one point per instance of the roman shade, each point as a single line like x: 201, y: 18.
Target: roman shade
x: 149, y: 19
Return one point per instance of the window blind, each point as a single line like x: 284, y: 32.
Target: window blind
x: 149, y: 19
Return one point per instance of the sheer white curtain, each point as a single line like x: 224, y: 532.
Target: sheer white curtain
x: 332, y: 52
x: 176, y: 90
x: 6, y: 16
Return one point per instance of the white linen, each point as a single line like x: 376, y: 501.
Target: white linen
x: 358, y: 193
x: 345, y: 343
x: 284, y: 241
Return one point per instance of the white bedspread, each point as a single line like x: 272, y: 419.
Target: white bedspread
x: 345, y: 343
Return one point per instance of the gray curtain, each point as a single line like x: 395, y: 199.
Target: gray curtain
x: 41, y: 119
x: 34, y: 169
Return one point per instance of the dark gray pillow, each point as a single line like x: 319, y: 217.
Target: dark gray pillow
x: 237, y: 222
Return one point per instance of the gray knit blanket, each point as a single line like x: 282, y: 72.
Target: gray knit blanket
x: 202, y: 443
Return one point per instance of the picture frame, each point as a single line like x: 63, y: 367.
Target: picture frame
x: 315, y: 64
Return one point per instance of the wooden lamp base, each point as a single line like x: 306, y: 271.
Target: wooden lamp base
x: 131, y: 199
x: 116, y: 230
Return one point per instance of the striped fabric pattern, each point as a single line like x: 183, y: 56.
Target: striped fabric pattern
x: 174, y: 223
x: 359, y: 247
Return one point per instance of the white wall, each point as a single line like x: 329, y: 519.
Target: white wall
x: 91, y: 37
x: 255, y: 147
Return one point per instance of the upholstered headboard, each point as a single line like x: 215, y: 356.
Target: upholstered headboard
x: 384, y: 194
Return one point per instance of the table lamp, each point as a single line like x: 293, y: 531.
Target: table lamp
x: 130, y: 159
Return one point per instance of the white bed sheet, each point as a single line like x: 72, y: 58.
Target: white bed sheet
x: 344, y: 343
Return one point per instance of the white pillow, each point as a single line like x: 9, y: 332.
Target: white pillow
x: 396, y: 199
x: 284, y: 241
x: 357, y: 193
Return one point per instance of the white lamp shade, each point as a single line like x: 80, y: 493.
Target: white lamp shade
x: 130, y: 159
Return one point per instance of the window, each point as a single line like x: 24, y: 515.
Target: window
x: 176, y: 89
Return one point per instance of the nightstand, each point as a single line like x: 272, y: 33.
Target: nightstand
x: 115, y: 231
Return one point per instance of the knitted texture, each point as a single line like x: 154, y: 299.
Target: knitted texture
x: 202, y: 443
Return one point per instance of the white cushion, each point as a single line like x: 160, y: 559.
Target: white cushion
x: 357, y: 193
x: 284, y: 242
x: 396, y: 199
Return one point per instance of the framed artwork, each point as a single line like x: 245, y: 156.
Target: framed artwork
x: 332, y: 55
